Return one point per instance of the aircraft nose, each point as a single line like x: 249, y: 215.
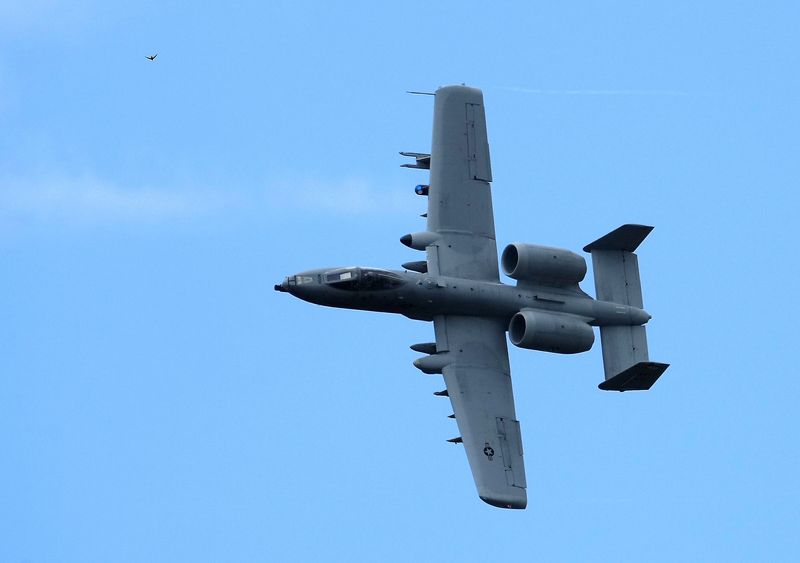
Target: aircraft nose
x: 283, y: 286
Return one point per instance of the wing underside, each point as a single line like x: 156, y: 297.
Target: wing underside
x: 479, y: 385
x: 460, y: 198
x: 472, y: 350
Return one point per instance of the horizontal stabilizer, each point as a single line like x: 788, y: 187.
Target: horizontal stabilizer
x: 626, y: 237
x: 639, y: 377
x: 626, y: 362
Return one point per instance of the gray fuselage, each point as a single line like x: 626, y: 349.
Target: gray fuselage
x: 423, y: 296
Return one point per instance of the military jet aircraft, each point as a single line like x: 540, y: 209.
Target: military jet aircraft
x: 458, y: 288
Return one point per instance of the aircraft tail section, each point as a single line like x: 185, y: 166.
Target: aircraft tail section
x: 616, y: 279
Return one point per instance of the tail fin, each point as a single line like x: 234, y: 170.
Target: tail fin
x: 616, y: 279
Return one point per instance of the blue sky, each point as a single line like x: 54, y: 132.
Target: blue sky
x: 160, y: 402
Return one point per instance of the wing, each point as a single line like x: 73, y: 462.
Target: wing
x: 471, y: 352
x: 460, y: 197
x: 478, y: 382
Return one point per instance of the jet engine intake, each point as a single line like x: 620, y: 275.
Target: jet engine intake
x: 550, y: 332
x: 543, y: 265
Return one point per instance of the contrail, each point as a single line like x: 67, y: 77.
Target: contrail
x: 598, y: 92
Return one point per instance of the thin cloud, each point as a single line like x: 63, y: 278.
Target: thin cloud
x: 31, y: 16
x: 344, y: 197
x: 541, y: 92
x: 89, y: 200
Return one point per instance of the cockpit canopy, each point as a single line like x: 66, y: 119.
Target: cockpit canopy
x: 361, y: 279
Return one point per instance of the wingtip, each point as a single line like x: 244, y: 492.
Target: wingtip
x: 513, y: 503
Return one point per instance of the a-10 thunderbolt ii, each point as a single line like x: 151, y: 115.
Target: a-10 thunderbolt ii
x: 458, y: 287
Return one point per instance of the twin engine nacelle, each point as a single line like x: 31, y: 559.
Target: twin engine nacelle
x: 543, y: 265
x: 550, y: 332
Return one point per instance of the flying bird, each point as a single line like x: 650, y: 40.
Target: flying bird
x: 151, y: 57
